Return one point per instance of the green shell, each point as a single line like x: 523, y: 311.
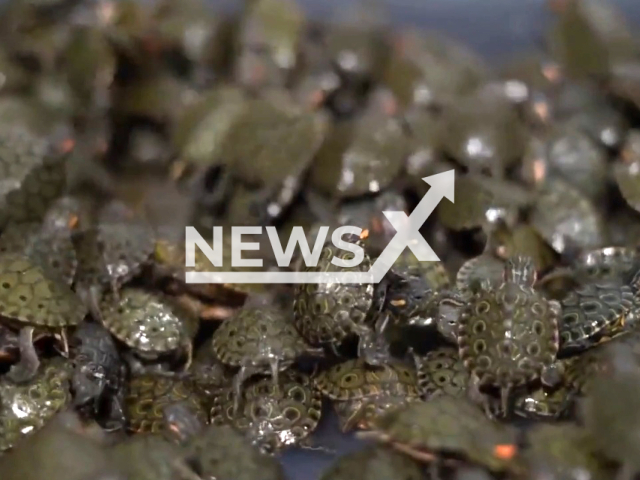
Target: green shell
x: 508, y: 335
x: 594, y: 311
x: 148, y: 395
x: 484, y: 269
x: 24, y: 409
x: 28, y: 295
x: 148, y: 457
x: 373, y: 463
x: 53, y: 251
x: 441, y: 372
x: 273, y: 418
x: 445, y: 425
x: 258, y: 331
x: 147, y: 322
x: 325, y: 313
x: 354, y: 380
x: 435, y: 274
x: 210, y: 377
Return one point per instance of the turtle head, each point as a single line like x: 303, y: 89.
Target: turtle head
x: 88, y: 383
x: 520, y: 270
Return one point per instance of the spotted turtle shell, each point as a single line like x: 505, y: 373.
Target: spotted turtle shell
x: 594, y: 311
x: 445, y: 425
x: 24, y: 409
x: 508, y: 335
x: 441, y: 372
x: 324, y: 313
x: 51, y: 250
x: 252, y: 330
x: 147, y: 397
x: 147, y: 322
x: 484, y: 269
x: 276, y: 417
x: 29, y: 296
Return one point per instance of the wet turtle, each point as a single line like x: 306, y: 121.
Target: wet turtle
x: 441, y: 372
x: 543, y: 403
x: 595, y: 311
x: 565, y: 449
x: 52, y: 250
x: 209, y: 375
x: 373, y: 463
x: 111, y: 252
x: 258, y: 339
x: 609, y: 263
x: 361, y: 392
x: 508, y: 336
x: 326, y: 314
x: 273, y: 418
x: 151, y: 324
x: 34, y: 304
x: 223, y: 453
x: 25, y: 408
x: 147, y: 397
x: 428, y: 431
x: 566, y: 219
x: 451, y: 305
x: 99, y: 375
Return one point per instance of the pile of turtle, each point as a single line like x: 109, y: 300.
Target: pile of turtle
x: 517, y: 355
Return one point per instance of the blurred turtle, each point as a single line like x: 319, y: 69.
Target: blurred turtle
x: 373, y: 463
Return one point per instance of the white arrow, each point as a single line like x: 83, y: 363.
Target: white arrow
x: 408, y: 235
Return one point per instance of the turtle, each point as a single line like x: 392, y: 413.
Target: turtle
x: 223, y: 453
x: 596, y: 311
x: 258, y: 339
x: 110, y: 253
x: 432, y: 431
x: 326, y: 314
x: 565, y: 449
x: 508, y: 336
x: 542, y: 403
x: 210, y: 377
x: 52, y: 250
x: 151, y: 324
x: 181, y: 422
x: 373, y: 463
x: 441, y: 372
x: 566, y: 219
x: 99, y: 375
x: 360, y: 392
x: 25, y: 408
x: 148, y: 395
x: 34, y: 304
x: 273, y: 418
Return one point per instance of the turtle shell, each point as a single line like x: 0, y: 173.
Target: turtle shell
x: 594, y: 311
x: 273, y: 417
x: 254, y: 331
x: 326, y: 313
x: 434, y: 274
x: 609, y: 263
x: 210, y: 376
x: 484, y: 269
x: 373, y: 463
x: 53, y: 251
x: 508, y: 335
x: 445, y: 425
x: 354, y: 379
x: 29, y: 296
x: 25, y: 408
x: 147, y: 322
x: 441, y: 372
x: 147, y: 397
x: 543, y: 404
x: 627, y: 170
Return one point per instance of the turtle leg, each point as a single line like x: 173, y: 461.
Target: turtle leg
x: 479, y: 398
x: 189, y: 349
x: 505, y: 393
x: 26, y: 368
x: 244, y: 373
x: 274, y: 365
x: 65, y: 343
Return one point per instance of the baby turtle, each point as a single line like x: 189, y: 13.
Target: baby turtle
x: 444, y: 426
x: 210, y: 377
x: 34, y: 304
x: 150, y: 324
x: 147, y: 397
x: 508, y: 336
x: 627, y: 170
x: 99, y: 375
x: 544, y: 403
x: 50, y: 249
x: 221, y: 452
x: 25, y: 408
x: 273, y: 418
x: 361, y: 392
x: 326, y: 314
x: 258, y: 339
x: 373, y: 463
x: 596, y: 311
x: 441, y: 372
